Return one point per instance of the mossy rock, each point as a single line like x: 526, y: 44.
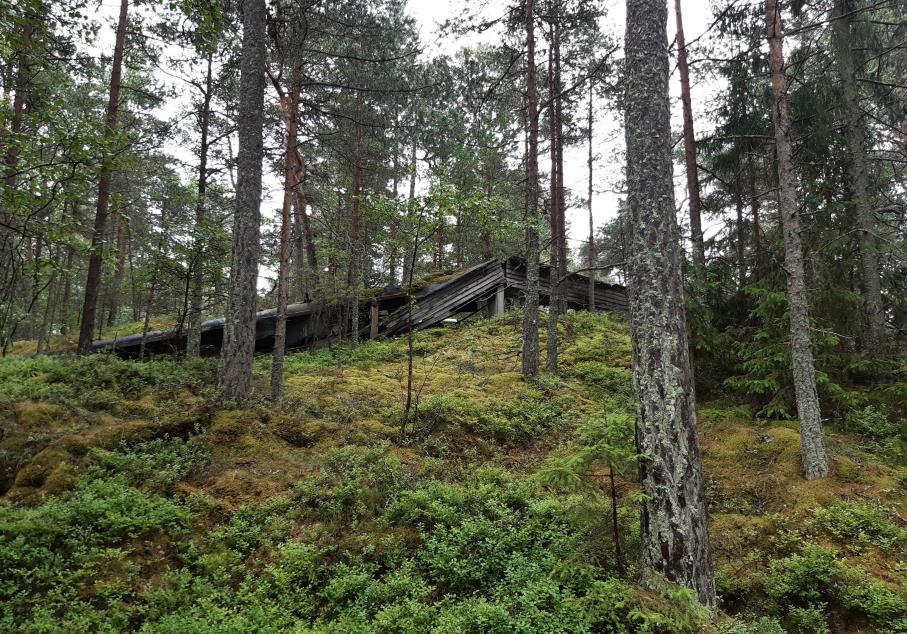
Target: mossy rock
x: 39, y: 468
x: 235, y: 487
x: 143, y: 407
x: 38, y: 416
x: 228, y: 426
x: 61, y: 478
x: 847, y: 471
x: 16, y: 451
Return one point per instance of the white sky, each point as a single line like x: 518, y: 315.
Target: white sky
x: 608, y: 142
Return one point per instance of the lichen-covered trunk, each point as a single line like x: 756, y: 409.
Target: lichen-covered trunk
x: 194, y: 338
x: 689, y: 145
x: 859, y: 178
x: 674, y: 517
x: 815, y: 460
x: 531, y: 216
x: 93, y: 279
x: 239, y: 327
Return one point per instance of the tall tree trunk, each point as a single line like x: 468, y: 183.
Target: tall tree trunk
x: 283, y: 274
x: 559, y: 126
x: 754, y: 204
x: 313, y: 282
x: 119, y: 271
x: 352, y: 279
x: 11, y: 139
x: 194, y: 337
x: 553, y: 213
x: 674, y: 518
x: 689, y: 145
x: 531, y: 216
x: 859, y: 178
x: 741, y: 236
x: 409, y: 264
x: 239, y: 327
x: 591, y: 251
x: 815, y: 460
x: 290, y: 104
x: 93, y: 281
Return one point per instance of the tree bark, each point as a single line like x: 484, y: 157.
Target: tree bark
x: 741, y: 237
x: 859, y: 178
x: 689, y: 145
x: 531, y: 216
x: 815, y: 460
x: 119, y: 270
x: 93, y: 281
x: 674, y: 518
x: 283, y: 273
x: 591, y: 252
x: 239, y: 327
x: 553, y: 209
x: 290, y: 103
x: 352, y: 278
x: 194, y: 338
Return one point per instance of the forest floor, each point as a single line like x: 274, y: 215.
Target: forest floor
x: 133, y: 500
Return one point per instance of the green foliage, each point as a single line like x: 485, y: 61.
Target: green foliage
x: 888, y: 433
x: 77, y: 543
x: 862, y: 522
x: 599, y: 443
x: 364, y: 355
x: 98, y: 381
x: 764, y: 371
x: 873, y: 421
x: 155, y: 464
x: 355, y: 484
x: 507, y: 421
x: 804, y: 583
x: 618, y: 381
x: 762, y: 625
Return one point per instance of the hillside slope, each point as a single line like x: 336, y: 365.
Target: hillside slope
x: 133, y: 501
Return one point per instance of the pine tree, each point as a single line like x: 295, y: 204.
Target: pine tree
x: 674, y: 519
x: 239, y: 326
x: 815, y: 460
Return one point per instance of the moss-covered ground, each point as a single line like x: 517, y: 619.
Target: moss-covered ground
x: 134, y: 501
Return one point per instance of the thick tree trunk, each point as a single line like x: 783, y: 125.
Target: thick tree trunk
x: 859, y: 178
x: 239, y: 327
x: 93, y: 281
x: 689, y: 145
x: 674, y: 518
x: 815, y: 460
x: 531, y: 216
x: 194, y: 338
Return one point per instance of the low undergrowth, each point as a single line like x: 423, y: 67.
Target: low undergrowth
x: 134, y: 501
